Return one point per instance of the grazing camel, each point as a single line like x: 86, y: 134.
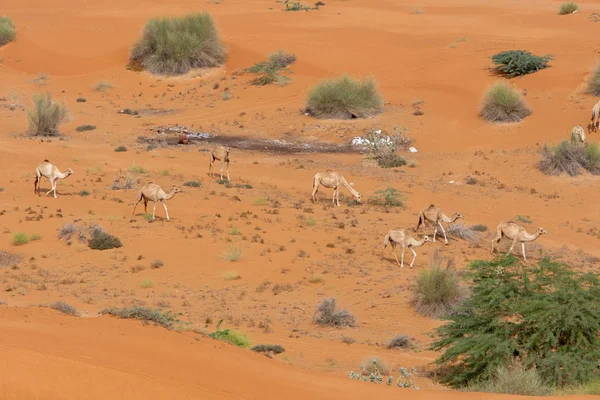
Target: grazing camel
x: 403, y: 238
x: 155, y: 193
x: 52, y: 173
x: 331, y: 179
x: 578, y: 135
x: 434, y: 215
x: 220, y: 154
x: 593, y: 125
x: 517, y: 234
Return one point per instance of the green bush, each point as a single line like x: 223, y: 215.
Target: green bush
x: 503, y: 103
x: 19, y: 239
x: 121, y: 149
x: 101, y: 240
x: 568, y: 8
x: 593, y: 86
x: 269, y: 71
x: 542, y: 315
x: 519, y: 62
x: 45, y: 116
x: 391, y: 160
x: 570, y: 158
x: 83, y: 128
x: 7, y: 30
x: 173, y: 46
x: 344, y: 98
x: 166, y: 320
x: 388, y: 197
x: 234, y: 337
x: 515, y: 380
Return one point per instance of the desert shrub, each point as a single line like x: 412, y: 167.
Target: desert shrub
x: 593, y: 85
x: 234, y: 337
x: 101, y: 240
x: 503, y: 103
x: 81, y: 100
x: 103, y: 86
x: 400, y: 342
x: 438, y: 290
x: 232, y: 252
x: 542, y: 315
x: 589, y: 388
x: 269, y: 71
x: 83, y: 128
x: 147, y: 284
x: 388, y: 197
x: 570, y: 158
x: 376, y: 365
x: 156, y: 264
x: 268, y: 348
x: 568, y: 8
x: 45, y: 116
x: 192, y: 184
x: 328, y: 314
x: 461, y: 231
x: 297, y: 6
x: 124, y: 181
x: 128, y: 111
x: 479, y: 228
x: 173, y: 46
x: 19, y: 239
x: 391, y: 161
x: 7, y: 30
x: 64, y: 308
x: 370, y: 371
x: 35, y: 236
x: 383, y: 147
x: 231, y: 276
x: 519, y: 62
x: 515, y: 380
x: 69, y: 230
x: 344, y: 98
x: 120, y: 149
x: 167, y: 320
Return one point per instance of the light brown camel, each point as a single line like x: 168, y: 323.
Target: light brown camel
x: 220, y: 153
x: 516, y: 233
x: 593, y: 125
x: 435, y: 216
x: 49, y: 171
x: 153, y: 192
x: 403, y: 238
x: 331, y: 179
x: 578, y: 135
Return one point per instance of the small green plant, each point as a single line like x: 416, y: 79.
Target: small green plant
x: 232, y: 252
x: 504, y: 103
x: 35, y: 236
x: 261, y: 201
x: 81, y: 100
x: 593, y: 85
x: 388, y: 197
x: 344, y: 98
x: 156, y: 264
x: 370, y: 372
x: 296, y: 6
x: 231, y: 276
x: 268, y: 348
x: 147, y: 217
x: 568, y: 8
x: 64, y: 308
x: 84, y: 192
x: 84, y: 128
x: 101, y: 240
x: 20, y: 239
x: 234, y: 337
x: 103, y: 86
x: 137, y: 169
x: 45, y: 116
x: 147, y: 284
x: 269, y: 71
x: 328, y: 314
x: 121, y: 149
x: 235, y: 231
x: 318, y: 278
x: 7, y: 30
x: 310, y: 221
x: 166, y: 320
x: 519, y: 62
x: 570, y: 158
x: 195, y: 184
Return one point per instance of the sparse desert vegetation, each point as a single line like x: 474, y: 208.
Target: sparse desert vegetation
x: 593, y: 85
x: 101, y: 240
x: 64, y: 308
x: 270, y: 71
x: 7, y: 30
x: 568, y: 8
x: 570, y: 158
x: 329, y: 314
x: 503, y: 103
x: 84, y: 128
x: 45, y: 116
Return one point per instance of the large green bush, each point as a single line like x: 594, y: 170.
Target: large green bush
x: 45, y: 116
x: 344, y: 98
x: 519, y: 62
x: 173, y: 46
x: 7, y: 30
x: 543, y: 316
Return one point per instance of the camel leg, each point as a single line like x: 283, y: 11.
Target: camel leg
x: 434, y: 233
x: 154, y: 211
x: 145, y: 206
x: 210, y: 165
x: 444, y: 232
x: 166, y: 211
x: 228, y: 170
x: 523, y: 248
x: 314, y: 193
x: 395, y: 254
x: 337, y: 197
x: 51, y: 187
x: 414, y: 256
x: 511, y: 247
x: 333, y: 199
x: 222, y: 166
x: 54, y: 187
x: 403, y: 249
x: 136, y: 203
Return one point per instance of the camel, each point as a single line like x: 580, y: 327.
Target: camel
x: 516, y: 233
x: 52, y: 173
x: 404, y: 239
x: 155, y: 193
x: 183, y: 139
x: 434, y: 215
x: 331, y: 179
x: 578, y: 135
x: 594, y: 123
x: 220, y: 154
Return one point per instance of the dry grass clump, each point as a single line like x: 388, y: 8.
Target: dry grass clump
x: 232, y: 253
x: 568, y: 8
x: 400, y: 342
x: 570, y: 158
x: 504, y: 103
x: 64, y: 308
x: 7, y: 259
x: 344, y: 98
x: 374, y: 365
x: 173, y: 46
x: 461, y: 231
x: 328, y: 314
x: 166, y: 320
x: 7, y: 30
x: 593, y: 86
x: 516, y: 380
x: 45, y: 116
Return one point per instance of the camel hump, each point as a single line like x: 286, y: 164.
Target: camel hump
x: 46, y: 160
x: 431, y: 206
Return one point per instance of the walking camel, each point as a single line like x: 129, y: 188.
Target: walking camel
x: 593, y: 125
x: 331, y: 179
x: 403, y: 238
x: 516, y: 233
x: 434, y: 215
x: 578, y: 135
x: 153, y: 192
x: 49, y: 171
x: 220, y: 153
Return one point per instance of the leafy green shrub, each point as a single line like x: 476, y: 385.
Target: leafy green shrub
x: 388, y: 197
x: 173, y: 46
x: 593, y: 86
x: 83, y: 128
x: 438, y: 290
x: 101, y: 240
x: 503, y: 103
x: 167, y: 320
x: 568, y: 8
x: 328, y: 314
x: 515, y: 380
x: 234, y: 337
x: 297, y: 6
x: 268, y: 348
x: 19, y: 239
x: 195, y: 184
x: 45, y: 116
x: 64, y: 308
x: 7, y: 30
x: 121, y: 149
x: 344, y: 98
x: 269, y: 70
x: 570, y: 158
x: 544, y: 316
x: 519, y: 62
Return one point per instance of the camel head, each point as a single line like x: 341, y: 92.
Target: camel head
x: 69, y: 172
x: 175, y: 189
x: 459, y: 216
x: 541, y: 231
x: 426, y: 238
